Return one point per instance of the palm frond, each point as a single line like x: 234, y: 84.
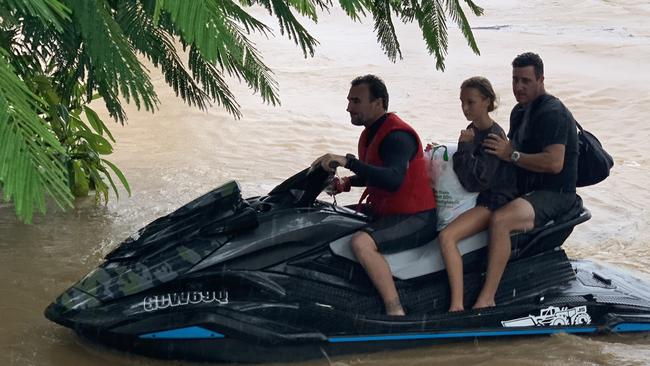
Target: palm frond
x: 49, y: 12
x: 223, y: 41
x: 210, y: 78
x: 46, y: 50
x: 158, y: 47
x: 477, y: 10
x: 293, y: 28
x: 355, y: 9
x: 239, y: 57
x: 289, y: 25
x: 458, y: 15
x: 304, y: 7
x: 431, y: 20
x: 194, y: 22
x: 30, y: 154
x: 323, y: 5
x: 110, y: 59
x: 385, y: 29
x: 250, y: 23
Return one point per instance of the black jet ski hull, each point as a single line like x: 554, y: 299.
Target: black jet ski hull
x: 598, y: 300
x: 257, y: 280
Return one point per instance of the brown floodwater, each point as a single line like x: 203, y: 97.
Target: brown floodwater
x: 596, y: 55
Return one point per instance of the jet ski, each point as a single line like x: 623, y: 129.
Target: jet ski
x: 272, y: 278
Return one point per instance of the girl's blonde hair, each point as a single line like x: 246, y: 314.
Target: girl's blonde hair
x: 484, y: 87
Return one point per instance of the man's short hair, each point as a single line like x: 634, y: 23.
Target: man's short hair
x: 530, y: 59
x: 375, y: 85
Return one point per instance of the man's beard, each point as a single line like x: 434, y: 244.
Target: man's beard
x: 357, y: 121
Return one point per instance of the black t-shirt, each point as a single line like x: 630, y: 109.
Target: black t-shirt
x: 545, y: 121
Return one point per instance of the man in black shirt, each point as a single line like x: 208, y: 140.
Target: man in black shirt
x: 543, y: 144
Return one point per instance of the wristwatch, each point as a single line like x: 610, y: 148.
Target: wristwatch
x: 514, y: 157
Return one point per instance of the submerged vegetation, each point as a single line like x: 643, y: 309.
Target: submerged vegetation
x: 56, y: 56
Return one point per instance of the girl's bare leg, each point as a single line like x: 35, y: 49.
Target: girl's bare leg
x: 516, y: 215
x: 467, y: 224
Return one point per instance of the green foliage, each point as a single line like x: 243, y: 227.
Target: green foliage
x: 111, y: 60
x: 56, y: 56
x: 29, y: 152
x: 385, y: 29
x: 49, y: 12
x: 84, y: 142
x: 431, y: 19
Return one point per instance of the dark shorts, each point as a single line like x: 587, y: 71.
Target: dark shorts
x: 492, y: 202
x: 549, y: 205
x: 397, y: 233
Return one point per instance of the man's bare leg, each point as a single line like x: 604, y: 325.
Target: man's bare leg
x: 517, y: 215
x: 373, y: 262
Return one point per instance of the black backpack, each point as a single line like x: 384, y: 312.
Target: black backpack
x: 594, y: 162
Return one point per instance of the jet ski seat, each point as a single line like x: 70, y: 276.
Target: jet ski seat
x: 427, y: 258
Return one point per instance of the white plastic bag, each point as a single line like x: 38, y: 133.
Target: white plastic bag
x: 452, y: 199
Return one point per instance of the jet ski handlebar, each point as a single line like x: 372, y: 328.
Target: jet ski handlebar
x: 303, y: 187
x: 334, y: 164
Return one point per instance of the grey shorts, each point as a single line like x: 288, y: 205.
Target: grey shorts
x: 396, y: 233
x: 549, y: 205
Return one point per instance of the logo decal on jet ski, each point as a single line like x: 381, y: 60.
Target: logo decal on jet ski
x: 552, y: 316
x: 153, y: 303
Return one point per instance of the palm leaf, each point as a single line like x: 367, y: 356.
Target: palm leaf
x: 97, y: 123
x: 458, y: 15
x: 49, y: 12
x: 385, y: 29
x: 158, y: 46
x: 239, y: 57
x: 110, y: 59
x: 212, y: 82
x: 477, y: 10
x: 289, y: 25
x: 304, y: 7
x: 120, y: 176
x: 236, y: 13
x: 355, y: 9
x: 30, y: 154
x: 215, y: 33
x: 194, y: 21
x: 432, y: 21
x: 293, y: 28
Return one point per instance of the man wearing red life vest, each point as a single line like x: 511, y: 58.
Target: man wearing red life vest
x: 391, y: 165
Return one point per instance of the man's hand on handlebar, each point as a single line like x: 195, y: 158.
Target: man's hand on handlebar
x: 329, y: 162
x: 338, y: 185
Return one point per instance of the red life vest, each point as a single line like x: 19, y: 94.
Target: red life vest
x: 415, y: 194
